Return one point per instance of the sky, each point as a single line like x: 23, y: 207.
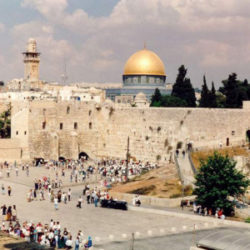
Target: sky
x: 96, y: 37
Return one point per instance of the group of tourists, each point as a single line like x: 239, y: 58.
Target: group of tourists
x: 113, y: 171
x: 200, y: 210
x: 47, y: 234
x: 9, y: 213
x: 3, y: 190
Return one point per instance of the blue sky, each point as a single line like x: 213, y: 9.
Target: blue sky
x: 96, y: 37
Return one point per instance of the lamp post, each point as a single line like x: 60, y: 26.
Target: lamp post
x: 127, y: 159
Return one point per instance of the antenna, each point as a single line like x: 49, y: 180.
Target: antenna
x: 64, y: 75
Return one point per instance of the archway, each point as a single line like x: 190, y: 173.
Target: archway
x: 248, y: 137
x: 39, y: 161
x: 62, y: 159
x: 83, y: 155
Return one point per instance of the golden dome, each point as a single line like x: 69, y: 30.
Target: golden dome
x: 144, y: 62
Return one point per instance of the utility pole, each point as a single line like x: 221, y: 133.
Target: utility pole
x: 132, y: 241
x: 127, y: 159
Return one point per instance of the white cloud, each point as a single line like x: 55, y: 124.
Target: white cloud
x: 49, y: 8
x: 2, y: 27
x: 203, y: 34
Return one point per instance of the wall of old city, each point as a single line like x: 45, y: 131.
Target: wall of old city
x: 67, y: 128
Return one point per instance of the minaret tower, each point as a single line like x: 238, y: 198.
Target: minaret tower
x: 31, y: 61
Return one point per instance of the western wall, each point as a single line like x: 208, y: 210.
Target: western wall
x: 50, y: 129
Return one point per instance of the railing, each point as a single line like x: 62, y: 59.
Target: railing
x: 179, y: 169
x: 192, y: 164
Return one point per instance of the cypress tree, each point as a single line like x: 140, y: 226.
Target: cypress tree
x: 212, y: 98
x: 231, y: 91
x: 183, y: 88
x: 156, y: 98
x: 204, y: 101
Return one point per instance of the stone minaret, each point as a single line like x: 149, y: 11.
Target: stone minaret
x: 31, y: 61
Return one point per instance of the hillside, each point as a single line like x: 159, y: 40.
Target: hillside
x: 230, y: 151
x: 161, y: 183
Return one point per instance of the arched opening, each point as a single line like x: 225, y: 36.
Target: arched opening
x: 83, y: 155
x: 39, y: 161
x: 248, y: 137
x: 62, y: 159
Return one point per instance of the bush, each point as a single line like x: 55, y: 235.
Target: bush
x: 247, y: 220
x: 143, y: 190
x: 177, y: 195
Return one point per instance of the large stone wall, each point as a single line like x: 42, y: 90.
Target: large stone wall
x: 102, y: 131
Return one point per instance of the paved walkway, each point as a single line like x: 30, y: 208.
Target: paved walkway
x: 104, y: 225
x: 186, y: 169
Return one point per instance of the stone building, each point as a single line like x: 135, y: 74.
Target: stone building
x: 53, y: 129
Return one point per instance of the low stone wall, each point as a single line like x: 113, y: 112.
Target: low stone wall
x: 192, y: 216
x: 149, y: 200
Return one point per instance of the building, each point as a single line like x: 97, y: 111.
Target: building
x: 55, y: 121
x: 144, y: 71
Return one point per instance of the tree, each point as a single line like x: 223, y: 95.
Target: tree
x: 156, y: 98
x: 231, y: 89
x: 172, y: 101
x: 5, y: 123
x: 217, y: 180
x: 159, y: 100
x: 205, y: 94
x: 183, y: 88
x: 212, y: 97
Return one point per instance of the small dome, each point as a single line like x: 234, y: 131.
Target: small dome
x: 144, y: 62
x: 140, y: 97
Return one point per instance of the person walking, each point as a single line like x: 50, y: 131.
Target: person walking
x: 56, y: 203
x: 69, y: 194
x: 3, y: 189
x: 14, y: 213
x: 79, y: 204
x: 9, y: 191
x: 77, y: 243
x: 16, y: 168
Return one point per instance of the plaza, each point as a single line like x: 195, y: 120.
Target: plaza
x: 107, y: 227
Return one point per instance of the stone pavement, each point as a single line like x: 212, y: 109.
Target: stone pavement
x: 104, y: 225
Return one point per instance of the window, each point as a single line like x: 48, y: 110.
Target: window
x: 75, y: 125
x: 90, y: 112
x: 25, y: 132
x: 90, y: 125
x: 44, y: 125
x: 16, y: 132
x: 68, y: 110
x: 61, y: 126
x: 233, y: 132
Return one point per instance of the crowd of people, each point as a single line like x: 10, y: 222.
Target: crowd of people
x: 46, y: 234
x: 51, y: 189
x: 113, y: 171
x: 198, y: 209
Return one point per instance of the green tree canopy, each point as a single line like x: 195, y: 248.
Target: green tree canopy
x: 235, y: 91
x: 156, y: 98
x: 217, y: 180
x: 183, y: 88
x: 159, y: 100
x: 5, y: 123
x: 212, y: 97
x: 205, y: 94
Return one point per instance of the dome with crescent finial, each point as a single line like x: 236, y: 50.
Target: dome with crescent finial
x: 144, y: 62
